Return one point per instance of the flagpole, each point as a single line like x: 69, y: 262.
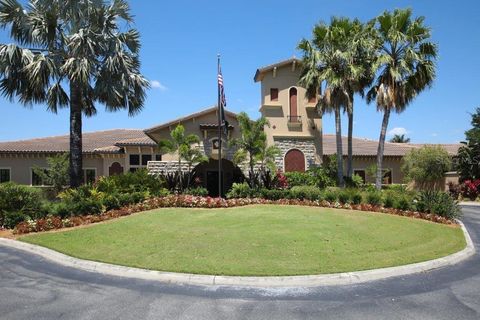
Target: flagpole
x: 219, y: 133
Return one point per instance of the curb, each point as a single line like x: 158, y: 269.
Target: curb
x: 345, y: 278
x: 469, y: 204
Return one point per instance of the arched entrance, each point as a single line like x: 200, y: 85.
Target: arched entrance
x: 294, y: 161
x: 208, y: 174
x: 115, y: 168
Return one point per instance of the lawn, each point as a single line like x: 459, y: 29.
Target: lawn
x: 257, y: 240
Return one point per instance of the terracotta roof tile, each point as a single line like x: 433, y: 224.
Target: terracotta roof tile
x: 93, y: 142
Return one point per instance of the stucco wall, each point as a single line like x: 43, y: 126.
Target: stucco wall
x: 21, y: 165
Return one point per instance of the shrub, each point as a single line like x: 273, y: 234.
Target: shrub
x: 305, y: 192
x: 389, y: 200
x: 426, y: 165
x: 355, y: 196
x: 354, y: 182
x: 83, y: 200
x: 469, y: 189
x: 198, y: 191
x: 241, y: 190
x: 111, y: 201
x: 274, y: 194
x: 454, y: 190
x: 11, y: 219
x: 138, y: 181
x: 321, y: 177
x: 331, y: 196
x: 295, y: 178
x: 374, y: 198
x: 438, y: 202
x: 402, y: 203
x: 19, y: 200
x: 344, y: 197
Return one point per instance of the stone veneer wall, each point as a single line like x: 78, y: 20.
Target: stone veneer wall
x: 307, y: 146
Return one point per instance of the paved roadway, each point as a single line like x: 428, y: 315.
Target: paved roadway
x: 33, y: 288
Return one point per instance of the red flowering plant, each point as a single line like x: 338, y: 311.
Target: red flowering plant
x: 470, y: 189
x: 281, y: 180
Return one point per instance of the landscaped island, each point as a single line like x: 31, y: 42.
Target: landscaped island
x: 257, y: 240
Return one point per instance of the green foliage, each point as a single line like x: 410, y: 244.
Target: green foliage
x: 241, y: 190
x: 426, y: 165
x: 400, y: 138
x: 56, y: 175
x: 344, y: 196
x: 274, y: 194
x: 374, y: 198
x: 198, y: 191
x: 355, y: 196
x: 19, y: 201
x: 12, y: 218
x: 389, y: 200
x: 138, y: 181
x: 403, y: 202
x: 295, y: 178
x: 331, y: 195
x: 305, y: 192
x: 438, y: 202
x: 252, y: 144
x: 469, y: 154
x: 83, y: 200
x: 354, y: 182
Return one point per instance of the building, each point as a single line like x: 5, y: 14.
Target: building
x: 295, y: 127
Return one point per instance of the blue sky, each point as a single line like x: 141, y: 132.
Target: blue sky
x: 182, y: 38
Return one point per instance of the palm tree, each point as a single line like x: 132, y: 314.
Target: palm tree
x: 267, y: 157
x: 406, y: 66
x: 400, y: 138
x: 185, y: 148
x: 251, y: 143
x: 72, y: 54
x: 338, y: 58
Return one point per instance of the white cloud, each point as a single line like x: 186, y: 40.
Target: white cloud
x: 434, y: 134
x: 398, y: 130
x: 158, y: 85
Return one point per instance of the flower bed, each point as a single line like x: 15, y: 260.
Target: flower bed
x: 188, y: 201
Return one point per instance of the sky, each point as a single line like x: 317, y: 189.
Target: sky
x: 181, y: 40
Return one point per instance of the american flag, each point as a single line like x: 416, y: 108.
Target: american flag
x: 222, y: 101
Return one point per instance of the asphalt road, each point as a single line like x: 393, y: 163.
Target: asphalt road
x: 33, y: 288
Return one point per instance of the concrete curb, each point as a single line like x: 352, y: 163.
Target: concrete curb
x: 469, y: 204
x: 280, y: 281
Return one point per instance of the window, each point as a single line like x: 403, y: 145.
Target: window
x: 146, y: 158
x: 4, y: 175
x: 387, y: 176
x: 89, y: 175
x: 360, y: 173
x: 273, y: 94
x: 215, y: 144
x: 158, y: 157
x: 134, y: 159
x: 293, y: 103
x: 312, y: 100
x: 37, y: 180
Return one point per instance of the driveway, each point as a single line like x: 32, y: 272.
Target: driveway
x: 33, y: 288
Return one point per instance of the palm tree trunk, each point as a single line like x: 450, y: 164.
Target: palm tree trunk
x: 252, y: 173
x: 381, y: 146
x: 350, y: 144
x: 76, y: 172
x: 338, y: 130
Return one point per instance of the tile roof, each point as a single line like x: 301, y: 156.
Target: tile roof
x: 367, y: 147
x: 260, y: 71
x: 93, y: 142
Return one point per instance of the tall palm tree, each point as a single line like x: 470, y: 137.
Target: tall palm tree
x: 406, y: 66
x: 400, y: 138
x: 185, y: 148
x: 251, y: 143
x: 72, y: 54
x: 338, y: 59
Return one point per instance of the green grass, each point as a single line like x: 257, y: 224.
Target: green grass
x: 257, y: 240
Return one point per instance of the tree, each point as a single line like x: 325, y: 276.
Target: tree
x: 338, y: 57
x: 185, y: 146
x: 405, y: 67
x: 400, y: 138
x: 251, y: 144
x: 425, y: 166
x: 469, y: 153
x: 72, y: 54
x: 56, y: 175
x: 267, y: 156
